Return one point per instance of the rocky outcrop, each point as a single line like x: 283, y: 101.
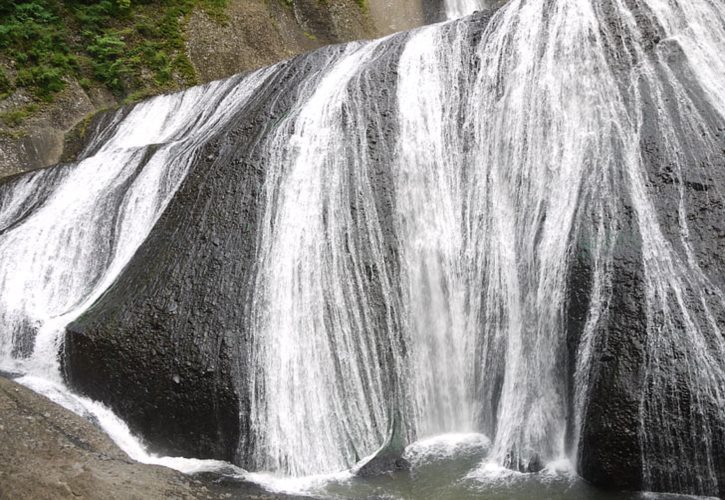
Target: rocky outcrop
x: 390, y: 16
x: 50, y: 453
x: 166, y: 345
x: 41, y: 140
x: 610, y: 455
x: 389, y: 459
x: 258, y: 33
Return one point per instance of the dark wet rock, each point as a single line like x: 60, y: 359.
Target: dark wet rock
x: 535, y: 464
x: 530, y: 463
x: 640, y: 430
x: 384, y: 464
x: 389, y: 458
x: 164, y: 346
x: 609, y: 448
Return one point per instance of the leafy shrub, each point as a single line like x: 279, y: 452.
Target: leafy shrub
x: 109, y: 65
x: 43, y: 80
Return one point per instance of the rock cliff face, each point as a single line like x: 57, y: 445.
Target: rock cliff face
x: 644, y: 384
x: 185, y: 296
x: 42, y: 140
x: 259, y: 33
x: 253, y: 34
x: 189, y: 312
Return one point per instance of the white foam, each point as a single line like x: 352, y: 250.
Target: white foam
x: 490, y: 471
x: 446, y: 446
x: 296, y: 485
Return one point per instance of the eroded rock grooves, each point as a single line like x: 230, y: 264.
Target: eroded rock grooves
x: 509, y: 224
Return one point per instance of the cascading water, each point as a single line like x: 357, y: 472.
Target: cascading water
x: 455, y: 9
x: 458, y: 229
x: 430, y: 191
x: 315, y: 356
x: 497, y: 174
x: 66, y: 233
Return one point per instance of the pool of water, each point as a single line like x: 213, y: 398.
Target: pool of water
x: 449, y: 467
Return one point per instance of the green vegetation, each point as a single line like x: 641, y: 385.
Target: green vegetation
x: 132, y: 47
x: 5, y: 86
x: 15, y: 117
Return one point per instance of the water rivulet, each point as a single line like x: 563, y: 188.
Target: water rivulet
x: 510, y: 224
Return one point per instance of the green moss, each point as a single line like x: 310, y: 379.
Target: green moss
x: 5, y: 86
x: 16, y: 117
x: 132, y: 47
x: 13, y: 133
x: 216, y: 9
x: 139, y: 95
x: 82, y: 127
x: 85, y: 83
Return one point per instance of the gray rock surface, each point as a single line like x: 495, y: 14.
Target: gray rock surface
x: 50, y: 453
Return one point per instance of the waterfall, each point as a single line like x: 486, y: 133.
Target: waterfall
x: 430, y: 193
x: 67, y: 232
x: 455, y: 9
x: 316, y: 355
x: 489, y: 225
x: 512, y: 158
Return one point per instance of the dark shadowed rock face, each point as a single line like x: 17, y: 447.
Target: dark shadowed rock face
x: 609, y: 449
x: 166, y: 345
x: 644, y: 424
x: 163, y: 347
